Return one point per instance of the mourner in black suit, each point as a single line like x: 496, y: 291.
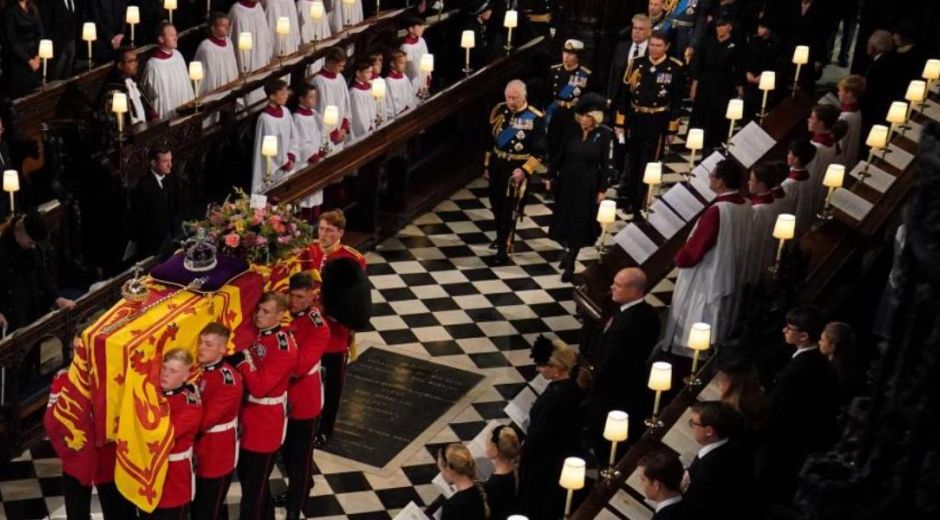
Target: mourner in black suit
x: 109, y: 16
x: 60, y: 24
x: 619, y: 359
x: 154, y: 207
x: 661, y: 475
x: 880, y: 79
x: 553, y: 432
x: 804, y: 402
x: 722, y: 474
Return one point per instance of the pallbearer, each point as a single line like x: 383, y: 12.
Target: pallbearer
x: 220, y: 388
x: 517, y: 149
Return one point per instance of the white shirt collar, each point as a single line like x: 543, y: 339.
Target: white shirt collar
x: 627, y: 305
x: 802, y: 350
x: 158, y: 177
x: 705, y: 450
x: 668, y: 502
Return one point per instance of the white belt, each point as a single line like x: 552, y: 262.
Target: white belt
x: 183, y: 455
x: 315, y: 369
x: 231, y: 425
x: 268, y: 401
x: 53, y: 398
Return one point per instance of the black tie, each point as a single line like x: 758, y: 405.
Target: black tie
x: 636, y: 51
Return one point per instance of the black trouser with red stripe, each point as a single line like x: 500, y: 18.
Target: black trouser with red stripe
x: 210, y: 497
x: 298, y: 459
x: 254, y: 469
x: 113, y: 504
x: 334, y: 364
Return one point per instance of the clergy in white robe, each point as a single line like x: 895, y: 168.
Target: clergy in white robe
x: 851, y: 89
x: 711, y: 263
x: 166, y: 78
x: 345, y: 15
x: 217, y: 55
x: 414, y: 46
x: 799, y: 189
x: 248, y: 16
x: 274, y: 120
x: 401, y: 91
x: 762, y: 247
x: 311, y: 30
x: 363, y: 106
x: 289, y: 43
x: 332, y: 90
x: 308, y: 135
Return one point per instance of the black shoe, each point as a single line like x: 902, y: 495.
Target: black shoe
x: 567, y: 275
x: 494, y: 245
x: 321, y: 440
x: 501, y: 258
x: 280, y: 500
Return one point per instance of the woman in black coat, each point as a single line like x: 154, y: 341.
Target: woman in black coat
x: 578, y: 171
x: 554, y: 429
x: 22, y: 30
x: 716, y: 78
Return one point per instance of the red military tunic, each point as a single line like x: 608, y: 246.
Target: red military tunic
x: 305, y: 393
x: 270, y: 362
x: 185, y: 415
x: 80, y: 464
x: 216, y: 447
x: 314, y: 260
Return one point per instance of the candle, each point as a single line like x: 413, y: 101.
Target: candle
x: 801, y: 55
x: 931, y: 70
x: 378, y: 88
x: 317, y: 10
x: 835, y: 174
x: 244, y: 41
x: 653, y: 174
x: 660, y: 378
x: 467, y: 40
x: 426, y: 64
x: 768, y: 80
x: 11, y: 181
x: 282, y: 27
x: 330, y: 115
x: 45, y: 49
x: 695, y: 139
x: 735, y: 109
x: 607, y: 212
x: 877, y: 137
x: 195, y: 71
x: 119, y: 103
x: 133, y: 15
x: 916, y: 90
x: 269, y: 146
x: 89, y: 32
x: 511, y: 20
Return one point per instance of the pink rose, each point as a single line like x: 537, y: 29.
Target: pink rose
x: 232, y: 240
x: 283, y: 240
x: 260, y: 241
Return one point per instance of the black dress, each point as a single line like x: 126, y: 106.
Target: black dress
x: 578, y: 170
x: 469, y: 504
x: 22, y: 31
x: 553, y: 434
x: 760, y: 54
x: 717, y: 68
x: 502, y: 493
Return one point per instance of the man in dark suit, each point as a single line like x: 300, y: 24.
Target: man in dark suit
x: 661, y: 474
x: 109, y: 16
x: 60, y: 24
x: 619, y: 359
x: 910, y: 57
x: 803, y: 404
x: 154, y: 208
x: 880, y: 80
x: 722, y: 473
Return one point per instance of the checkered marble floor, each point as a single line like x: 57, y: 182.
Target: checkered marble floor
x: 434, y: 296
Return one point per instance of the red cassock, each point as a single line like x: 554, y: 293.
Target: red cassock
x: 80, y: 464
x: 305, y: 394
x: 314, y: 259
x: 220, y: 388
x: 273, y: 358
x: 185, y: 415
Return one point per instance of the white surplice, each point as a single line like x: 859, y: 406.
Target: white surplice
x: 279, y: 123
x: 166, y: 82
x: 363, y: 108
x: 338, y: 17
x: 311, y: 30
x: 414, y: 48
x: 333, y: 91
x: 218, y: 61
x: 308, y: 132
x: 288, y: 43
x: 401, y: 94
x: 246, y: 17
x: 762, y: 246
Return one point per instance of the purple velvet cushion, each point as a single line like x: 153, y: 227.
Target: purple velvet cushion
x: 172, y: 272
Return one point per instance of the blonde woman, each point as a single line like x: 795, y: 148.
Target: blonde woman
x: 460, y: 471
x: 502, y: 489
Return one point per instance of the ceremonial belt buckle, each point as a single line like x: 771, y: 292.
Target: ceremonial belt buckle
x: 510, y: 156
x: 218, y: 428
x: 539, y: 18
x: 648, y: 110
x: 680, y: 23
x: 315, y: 369
x: 183, y: 455
x: 268, y: 401
x: 564, y: 104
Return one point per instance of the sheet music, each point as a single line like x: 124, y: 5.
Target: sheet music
x: 664, y: 220
x: 829, y: 99
x: 701, y: 185
x: 931, y: 109
x: 750, y: 144
x: 477, y: 448
x: 443, y: 486
x: 628, y: 506
x: 708, y: 164
x: 518, y: 408
x: 851, y: 204
x: 411, y: 512
x: 606, y: 514
x: 635, y: 242
x: 710, y: 392
x: 897, y: 157
x: 681, y: 199
x: 539, y: 383
x: 878, y: 178
x: 680, y: 438
x: 916, y: 129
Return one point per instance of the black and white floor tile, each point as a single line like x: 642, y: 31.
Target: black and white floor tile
x: 434, y: 296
